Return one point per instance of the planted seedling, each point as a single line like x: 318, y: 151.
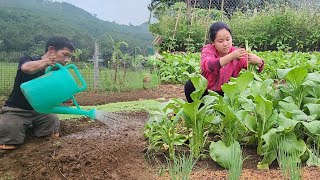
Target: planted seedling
x: 181, y: 166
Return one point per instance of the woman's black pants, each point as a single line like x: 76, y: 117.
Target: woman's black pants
x: 189, y: 88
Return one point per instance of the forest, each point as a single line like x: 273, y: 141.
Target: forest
x: 26, y: 25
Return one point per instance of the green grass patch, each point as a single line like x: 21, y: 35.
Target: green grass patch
x: 143, y: 105
x: 7, y: 75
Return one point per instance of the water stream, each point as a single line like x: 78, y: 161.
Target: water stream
x: 108, y: 118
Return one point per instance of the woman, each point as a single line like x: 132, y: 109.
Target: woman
x: 220, y: 60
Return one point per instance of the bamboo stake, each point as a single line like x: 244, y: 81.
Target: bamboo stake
x: 207, y: 24
x: 176, y: 26
x: 222, y: 9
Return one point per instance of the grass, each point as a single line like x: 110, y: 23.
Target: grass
x: 143, y: 105
x: 3, y: 98
x: 7, y: 75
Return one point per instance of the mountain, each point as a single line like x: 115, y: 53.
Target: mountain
x: 26, y: 25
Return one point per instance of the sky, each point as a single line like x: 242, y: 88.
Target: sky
x: 126, y: 12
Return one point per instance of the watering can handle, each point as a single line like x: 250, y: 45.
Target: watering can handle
x: 72, y: 66
x: 50, y: 67
x: 83, y: 82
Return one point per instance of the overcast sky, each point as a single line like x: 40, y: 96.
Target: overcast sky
x: 120, y: 11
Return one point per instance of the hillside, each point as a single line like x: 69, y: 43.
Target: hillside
x: 26, y: 24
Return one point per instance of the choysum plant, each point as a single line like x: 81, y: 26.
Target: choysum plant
x: 163, y: 128
x: 197, y: 115
x: 231, y: 125
x: 300, y: 107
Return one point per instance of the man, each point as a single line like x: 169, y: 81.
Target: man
x: 17, y: 115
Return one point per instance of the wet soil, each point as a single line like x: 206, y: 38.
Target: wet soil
x: 113, y: 149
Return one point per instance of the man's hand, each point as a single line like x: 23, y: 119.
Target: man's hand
x: 51, y: 60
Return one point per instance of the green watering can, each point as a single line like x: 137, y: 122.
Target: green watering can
x: 47, y: 92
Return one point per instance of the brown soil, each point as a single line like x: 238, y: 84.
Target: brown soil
x: 114, y: 150
x: 98, y: 98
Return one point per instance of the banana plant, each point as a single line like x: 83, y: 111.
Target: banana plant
x: 116, y: 54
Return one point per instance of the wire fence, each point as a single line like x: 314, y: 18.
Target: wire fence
x: 107, y: 80
x: 228, y: 7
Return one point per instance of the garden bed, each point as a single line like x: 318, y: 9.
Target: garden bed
x: 93, y: 150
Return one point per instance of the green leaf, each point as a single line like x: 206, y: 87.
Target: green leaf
x: 288, y: 142
x: 191, y: 110
x: 296, y: 76
x: 291, y: 144
x: 287, y: 123
x: 264, y: 107
x: 221, y: 154
x: 262, y: 88
x: 313, y: 127
x: 313, y: 159
x: 314, y: 77
x: 179, y: 139
x: 283, y: 72
x: 247, y: 104
x: 269, y: 155
x: 200, y: 83
x: 250, y: 122
x: 237, y: 85
x: 314, y: 109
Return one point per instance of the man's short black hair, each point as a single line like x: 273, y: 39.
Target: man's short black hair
x: 59, y: 43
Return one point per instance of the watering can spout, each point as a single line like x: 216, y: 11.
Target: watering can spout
x: 67, y: 110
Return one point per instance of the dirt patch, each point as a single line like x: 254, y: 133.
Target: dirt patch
x: 88, y: 98
x: 98, y: 98
x: 87, y: 150
x: 113, y: 150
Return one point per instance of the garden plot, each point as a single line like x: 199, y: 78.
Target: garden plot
x: 93, y: 150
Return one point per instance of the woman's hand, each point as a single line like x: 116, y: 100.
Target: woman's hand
x: 254, y: 59
x: 234, y: 55
x: 239, y: 54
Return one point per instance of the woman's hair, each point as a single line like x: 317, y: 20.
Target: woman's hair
x: 215, y: 27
